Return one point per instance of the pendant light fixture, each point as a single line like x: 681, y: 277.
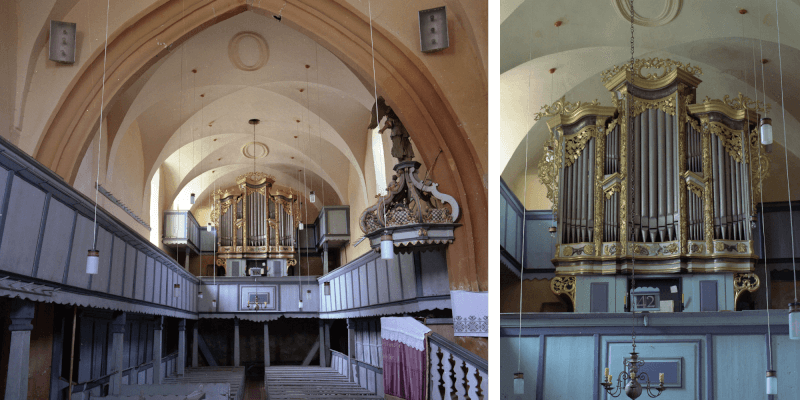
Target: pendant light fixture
x: 312, y: 197
x: 765, y: 127
x: 630, y: 379
x: 772, y: 382
x: 176, y: 290
x: 199, y: 294
x: 191, y: 199
x: 387, y: 244
x: 93, y: 256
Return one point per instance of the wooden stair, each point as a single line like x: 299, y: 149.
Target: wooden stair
x: 291, y: 382
x: 233, y: 375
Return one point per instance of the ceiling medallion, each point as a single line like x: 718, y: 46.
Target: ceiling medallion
x: 255, y: 150
x: 235, y: 55
x: 671, y: 10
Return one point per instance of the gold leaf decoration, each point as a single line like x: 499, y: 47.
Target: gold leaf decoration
x: 561, y: 106
x: 665, y: 65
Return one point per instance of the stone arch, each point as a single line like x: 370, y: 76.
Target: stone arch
x: 404, y: 81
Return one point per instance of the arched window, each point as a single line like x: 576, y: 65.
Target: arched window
x: 155, y: 221
x: 378, y: 160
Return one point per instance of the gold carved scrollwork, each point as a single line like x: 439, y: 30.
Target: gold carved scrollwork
x: 682, y: 163
x: 696, y: 189
x: 667, y: 105
x: 564, y: 285
x: 666, y: 66
x: 740, y: 102
x: 574, y: 144
x: 744, y: 281
x: 549, y: 166
x: 611, y: 189
x: 759, y: 167
x: 599, y: 203
x: 561, y: 106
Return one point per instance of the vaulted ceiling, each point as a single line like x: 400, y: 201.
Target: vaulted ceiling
x: 595, y: 36
x: 192, y: 107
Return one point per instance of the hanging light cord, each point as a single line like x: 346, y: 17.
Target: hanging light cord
x: 524, y: 200
x: 374, y: 79
x: 100, y: 139
x: 633, y: 201
x: 761, y: 194
x: 785, y: 150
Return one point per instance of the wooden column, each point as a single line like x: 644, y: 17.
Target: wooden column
x: 236, y: 342
x: 266, y: 344
x: 195, y: 344
x: 322, y: 345
x: 22, y: 313
x: 157, y: 350
x: 118, y: 332
x: 179, y: 369
x: 351, y: 350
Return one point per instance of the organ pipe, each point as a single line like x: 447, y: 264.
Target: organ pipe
x: 247, y: 222
x: 692, y: 169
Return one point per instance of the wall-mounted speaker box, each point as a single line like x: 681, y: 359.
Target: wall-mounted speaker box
x: 62, y: 42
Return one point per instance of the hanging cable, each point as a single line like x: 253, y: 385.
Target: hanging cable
x: 786, y: 150
x: 633, y: 197
x: 525, y: 198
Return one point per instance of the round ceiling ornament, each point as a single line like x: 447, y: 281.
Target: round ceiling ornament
x: 671, y: 10
x: 234, y: 51
x: 255, y: 150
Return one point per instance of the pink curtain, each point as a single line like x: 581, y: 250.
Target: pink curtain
x: 405, y: 370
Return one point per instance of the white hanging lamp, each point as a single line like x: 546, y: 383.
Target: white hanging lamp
x: 519, y: 383
x: 387, y: 246
x: 765, y: 127
x: 772, y: 382
x: 93, y: 262
x: 176, y: 290
x: 794, y: 321
x: 191, y: 199
x: 312, y: 197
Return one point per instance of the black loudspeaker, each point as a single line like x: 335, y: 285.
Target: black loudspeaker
x: 62, y: 42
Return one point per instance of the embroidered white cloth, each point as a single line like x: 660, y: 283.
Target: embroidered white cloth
x: 405, y: 330
x: 470, y: 313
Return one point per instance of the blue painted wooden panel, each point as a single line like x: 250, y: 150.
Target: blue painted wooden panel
x: 21, y: 231
x: 156, y: 282
x: 708, y: 295
x: 54, y: 246
x: 540, y: 245
x: 406, y: 261
x: 738, y: 358
x: 130, y: 270
x: 118, y: 273
x: 150, y: 269
x: 395, y: 284
x: 372, y: 278
x: 363, y: 285
x: 100, y: 280
x: 786, y: 359
x: 510, y: 349
x: 435, y: 281
x: 568, y: 357
x: 141, y: 262
x: 81, y: 243
x: 383, y: 281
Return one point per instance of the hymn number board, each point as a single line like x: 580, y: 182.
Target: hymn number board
x: 646, y: 299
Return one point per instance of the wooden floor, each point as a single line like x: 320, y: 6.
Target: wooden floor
x: 232, y: 375
x: 289, y: 382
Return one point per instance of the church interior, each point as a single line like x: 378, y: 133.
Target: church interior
x: 648, y: 161
x: 244, y: 199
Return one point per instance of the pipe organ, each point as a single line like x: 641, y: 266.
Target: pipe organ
x: 656, y: 176
x: 253, y: 223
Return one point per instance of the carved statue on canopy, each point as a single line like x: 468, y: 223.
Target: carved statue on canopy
x: 401, y: 145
